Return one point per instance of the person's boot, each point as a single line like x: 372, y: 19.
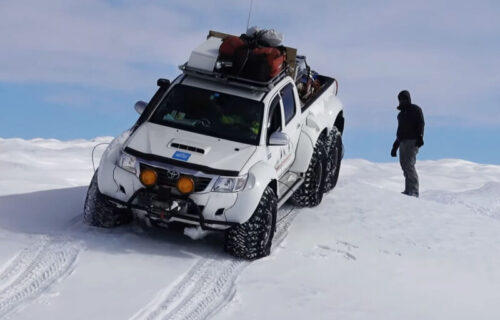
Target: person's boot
x: 410, y: 194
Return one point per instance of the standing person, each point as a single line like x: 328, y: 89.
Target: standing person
x: 410, y: 137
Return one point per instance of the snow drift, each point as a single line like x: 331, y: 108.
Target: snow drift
x: 367, y: 252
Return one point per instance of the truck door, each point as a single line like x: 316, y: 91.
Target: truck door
x: 292, y: 124
x: 275, y: 124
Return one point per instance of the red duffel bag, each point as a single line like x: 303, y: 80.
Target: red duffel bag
x: 250, y: 61
x: 274, y: 57
x: 230, y: 45
x: 263, y: 64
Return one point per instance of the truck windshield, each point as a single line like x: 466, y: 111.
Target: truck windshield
x: 211, y: 113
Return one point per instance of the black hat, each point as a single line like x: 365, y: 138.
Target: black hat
x: 404, y: 96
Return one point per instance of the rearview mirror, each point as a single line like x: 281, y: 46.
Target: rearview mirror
x: 140, y: 106
x: 279, y: 139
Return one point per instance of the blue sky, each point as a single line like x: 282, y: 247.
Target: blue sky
x: 73, y: 69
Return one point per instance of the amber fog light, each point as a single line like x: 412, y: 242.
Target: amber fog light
x: 185, y: 185
x: 148, y: 177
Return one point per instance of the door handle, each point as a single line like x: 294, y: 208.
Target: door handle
x: 298, y: 125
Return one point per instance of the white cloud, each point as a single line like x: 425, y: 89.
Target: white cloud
x: 443, y: 52
x: 88, y: 42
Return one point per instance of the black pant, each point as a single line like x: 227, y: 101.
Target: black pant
x: 407, y: 158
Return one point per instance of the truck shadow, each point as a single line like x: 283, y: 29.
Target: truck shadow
x: 58, y: 214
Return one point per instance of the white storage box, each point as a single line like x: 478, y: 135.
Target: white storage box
x: 205, y: 56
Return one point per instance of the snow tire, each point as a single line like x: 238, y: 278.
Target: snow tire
x: 333, y: 159
x: 252, y: 239
x: 311, y: 191
x: 100, y: 212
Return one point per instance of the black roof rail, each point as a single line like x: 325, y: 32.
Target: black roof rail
x: 233, y: 80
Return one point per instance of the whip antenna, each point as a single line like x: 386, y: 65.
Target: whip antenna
x: 249, y: 13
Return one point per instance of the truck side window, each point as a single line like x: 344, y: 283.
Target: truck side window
x: 274, y: 117
x: 288, y: 102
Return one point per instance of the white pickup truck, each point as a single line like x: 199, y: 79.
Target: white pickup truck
x: 222, y: 153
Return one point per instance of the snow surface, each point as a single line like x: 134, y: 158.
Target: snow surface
x: 367, y: 252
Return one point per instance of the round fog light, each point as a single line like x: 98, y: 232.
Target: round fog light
x: 185, y: 185
x: 148, y: 177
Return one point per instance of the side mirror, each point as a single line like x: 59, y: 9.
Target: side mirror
x: 279, y: 139
x: 140, y: 106
x: 163, y: 82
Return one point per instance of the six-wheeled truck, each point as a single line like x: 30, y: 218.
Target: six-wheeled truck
x: 223, y: 152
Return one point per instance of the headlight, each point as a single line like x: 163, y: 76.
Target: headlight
x: 230, y: 184
x: 185, y: 185
x: 128, y: 163
x: 148, y: 177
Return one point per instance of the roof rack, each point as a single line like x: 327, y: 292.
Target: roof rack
x: 233, y: 80
x: 203, y: 66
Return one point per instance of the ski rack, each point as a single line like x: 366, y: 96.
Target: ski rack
x: 232, y: 80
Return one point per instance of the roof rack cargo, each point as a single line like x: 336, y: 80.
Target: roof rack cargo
x: 291, y: 53
x: 201, y: 64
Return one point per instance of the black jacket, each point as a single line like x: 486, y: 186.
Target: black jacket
x: 410, y: 119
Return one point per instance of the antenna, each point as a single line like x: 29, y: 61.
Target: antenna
x: 249, y: 14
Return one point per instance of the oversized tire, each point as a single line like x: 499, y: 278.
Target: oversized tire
x: 333, y: 159
x: 311, y: 191
x: 99, y: 212
x: 253, y: 239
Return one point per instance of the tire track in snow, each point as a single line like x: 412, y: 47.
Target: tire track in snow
x: 34, y: 270
x: 170, y: 300
x: 13, y: 268
x: 208, y: 285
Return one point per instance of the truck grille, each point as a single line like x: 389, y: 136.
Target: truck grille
x: 167, y: 177
x: 186, y: 147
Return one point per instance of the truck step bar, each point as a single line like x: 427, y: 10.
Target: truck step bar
x: 289, y: 192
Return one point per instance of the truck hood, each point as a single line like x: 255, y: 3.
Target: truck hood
x: 190, y: 147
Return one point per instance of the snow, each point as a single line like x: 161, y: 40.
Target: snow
x: 44, y: 164
x: 195, y: 233
x: 367, y: 252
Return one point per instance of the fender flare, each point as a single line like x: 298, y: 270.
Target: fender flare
x: 316, y: 123
x: 105, y: 175
x: 260, y: 176
x: 307, y: 140
x: 335, y: 111
x: 302, y: 158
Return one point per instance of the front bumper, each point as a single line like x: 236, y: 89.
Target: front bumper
x: 161, y: 207
x: 162, y: 203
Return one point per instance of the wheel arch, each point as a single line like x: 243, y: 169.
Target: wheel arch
x: 274, y: 185
x: 340, y: 122
x: 260, y: 176
x: 305, y: 149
